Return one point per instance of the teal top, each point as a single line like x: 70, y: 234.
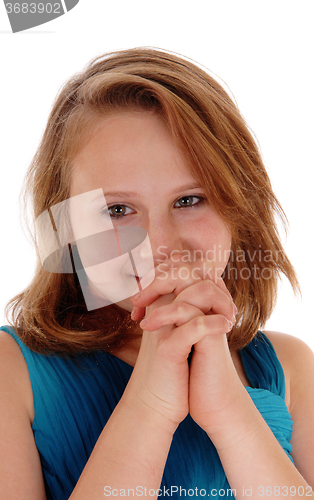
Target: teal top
x: 75, y: 396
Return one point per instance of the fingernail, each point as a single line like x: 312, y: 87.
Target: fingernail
x: 143, y: 323
x: 132, y: 312
x: 137, y: 296
x: 230, y: 326
x: 234, y: 319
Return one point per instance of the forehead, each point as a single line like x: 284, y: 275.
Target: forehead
x: 128, y: 147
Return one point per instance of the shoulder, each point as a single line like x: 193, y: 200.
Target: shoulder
x: 287, y: 346
x: 290, y: 350
x: 297, y: 361
x: 19, y: 457
x: 14, y: 376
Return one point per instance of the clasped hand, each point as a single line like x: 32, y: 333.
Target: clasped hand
x: 186, y: 305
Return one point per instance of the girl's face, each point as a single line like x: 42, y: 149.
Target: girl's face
x: 143, y: 180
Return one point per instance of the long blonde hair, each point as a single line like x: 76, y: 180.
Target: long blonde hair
x: 50, y: 315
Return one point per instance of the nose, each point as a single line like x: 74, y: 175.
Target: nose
x: 164, y: 238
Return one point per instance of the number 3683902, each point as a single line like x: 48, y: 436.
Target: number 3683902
x: 33, y: 8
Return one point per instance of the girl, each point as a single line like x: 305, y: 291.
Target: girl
x: 172, y: 391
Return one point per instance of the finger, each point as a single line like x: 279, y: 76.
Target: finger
x: 138, y: 313
x: 208, y: 297
x: 207, y: 270
x: 202, y: 297
x: 170, y: 277
x: 175, y: 314
x: 197, y: 329
x: 174, y: 278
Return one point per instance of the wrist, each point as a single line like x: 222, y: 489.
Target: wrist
x: 238, y: 422
x: 145, y: 415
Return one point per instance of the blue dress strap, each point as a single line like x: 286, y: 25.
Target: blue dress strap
x: 262, y: 366
x: 13, y: 334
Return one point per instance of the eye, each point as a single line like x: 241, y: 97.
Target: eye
x: 189, y: 201
x: 118, y: 211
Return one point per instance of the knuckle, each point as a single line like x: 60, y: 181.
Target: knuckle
x: 198, y: 322
x: 207, y: 287
x: 180, y: 308
x: 219, y: 323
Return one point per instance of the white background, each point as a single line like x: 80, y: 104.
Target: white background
x: 263, y: 50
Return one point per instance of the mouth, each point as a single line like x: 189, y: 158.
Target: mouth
x: 138, y: 278
x: 138, y: 281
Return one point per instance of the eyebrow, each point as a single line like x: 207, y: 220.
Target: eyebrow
x: 122, y: 194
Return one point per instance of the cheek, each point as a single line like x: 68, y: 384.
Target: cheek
x: 213, y: 238
x: 222, y: 245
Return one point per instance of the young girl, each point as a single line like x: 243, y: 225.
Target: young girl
x: 147, y: 180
